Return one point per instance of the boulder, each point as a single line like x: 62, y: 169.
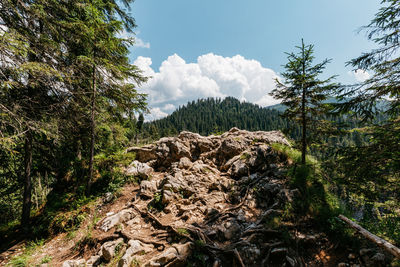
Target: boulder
x: 93, y: 261
x: 139, y: 169
x: 74, y: 263
x: 120, y: 217
x: 148, y: 188
x: 135, y: 247
x: 108, y: 249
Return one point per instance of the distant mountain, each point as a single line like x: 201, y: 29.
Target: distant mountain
x: 211, y: 115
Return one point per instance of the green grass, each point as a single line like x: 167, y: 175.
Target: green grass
x: 25, y: 259
x: 46, y: 259
x: 317, y: 198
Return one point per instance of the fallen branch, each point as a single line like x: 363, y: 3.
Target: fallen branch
x: 236, y: 252
x: 395, y: 251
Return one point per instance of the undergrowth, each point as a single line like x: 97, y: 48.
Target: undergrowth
x: 317, y: 195
x: 67, y: 208
x: 25, y: 259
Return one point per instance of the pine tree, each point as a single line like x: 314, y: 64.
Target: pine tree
x: 365, y: 99
x: 30, y: 78
x: 373, y: 170
x: 303, y: 92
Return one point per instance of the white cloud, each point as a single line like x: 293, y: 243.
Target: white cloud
x: 360, y: 75
x: 140, y: 43
x: 155, y: 113
x: 178, y: 82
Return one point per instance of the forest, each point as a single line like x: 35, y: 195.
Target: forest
x: 71, y: 105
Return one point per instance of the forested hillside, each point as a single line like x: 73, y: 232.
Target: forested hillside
x: 214, y: 116
x: 85, y: 181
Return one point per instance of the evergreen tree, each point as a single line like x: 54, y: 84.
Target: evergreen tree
x: 30, y: 77
x: 64, y: 71
x: 139, y: 126
x: 303, y: 92
x: 366, y: 98
x: 375, y: 168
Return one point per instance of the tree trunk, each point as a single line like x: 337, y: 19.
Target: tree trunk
x: 27, y: 198
x: 377, y: 240
x: 303, y: 115
x: 92, y: 133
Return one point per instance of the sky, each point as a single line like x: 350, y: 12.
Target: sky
x: 216, y: 48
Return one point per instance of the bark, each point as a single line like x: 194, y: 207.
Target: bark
x: 27, y: 198
x: 395, y: 251
x: 92, y: 133
x: 303, y: 115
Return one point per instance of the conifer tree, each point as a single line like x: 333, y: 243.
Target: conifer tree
x: 302, y: 92
x: 373, y: 170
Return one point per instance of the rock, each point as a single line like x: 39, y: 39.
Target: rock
x: 185, y: 163
x: 108, y: 249
x: 93, y: 261
x: 74, y: 263
x: 145, y: 153
x: 379, y: 259
x: 167, y: 197
x: 352, y: 256
x: 108, y: 197
x: 342, y: 264
x: 184, y: 250
x: 239, y: 169
x: 148, y: 188
x: 232, y: 228
x: 120, y: 217
x: 291, y: 262
x: 139, y: 169
x: 135, y: 247
x: 167, y: 256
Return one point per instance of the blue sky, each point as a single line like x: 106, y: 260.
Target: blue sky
x: 244, y: 39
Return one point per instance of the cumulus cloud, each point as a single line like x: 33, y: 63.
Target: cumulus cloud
x: 138, y: 41
x: 177, y: 82
x: 360, y: 75
x: 155, y: 113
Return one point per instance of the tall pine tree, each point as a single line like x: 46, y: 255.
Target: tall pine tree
x: 303, y: 92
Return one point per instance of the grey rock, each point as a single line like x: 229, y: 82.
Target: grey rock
x: 139, y: 169
x: 93, y: 261
x: 108, y: 248
x: 148, y: 188
x: 74, y: 263
x: 120, y: 217
x: 135, y: 247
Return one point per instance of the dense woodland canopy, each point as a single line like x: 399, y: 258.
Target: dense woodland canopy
x: 215, y: 116
x: 70, y: 105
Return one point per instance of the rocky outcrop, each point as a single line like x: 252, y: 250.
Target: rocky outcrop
x: 210, y: 201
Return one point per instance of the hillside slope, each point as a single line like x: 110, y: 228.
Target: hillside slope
x: 206, y: 201
x: 212, y: 115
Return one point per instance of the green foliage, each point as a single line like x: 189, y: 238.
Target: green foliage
x: 215, y: 116
x: 67, y: 221
x: 156, y: 203
x: 46, y: 259
x: 303, y: 93
x: 182, y: 231
x: 317, y: 193
x: 24, y: 259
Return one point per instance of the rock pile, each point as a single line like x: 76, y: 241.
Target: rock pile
x: 209, y: 201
